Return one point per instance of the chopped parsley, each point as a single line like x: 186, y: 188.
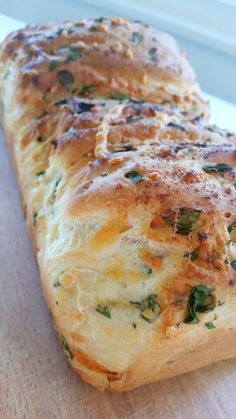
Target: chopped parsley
x: 152, y: 54
x: 187, y: 217
x: 118, y: 96
x: 136, y: 38
x: 104, y: 310
x: 168, y: 220
x: 35, y: 215
x: 134, y: 176
x: 60, y: 102
x: 86, y: 89
x: 6, y: 74
x: 99, y: 19
x: 232, y: 227
x: 54, y: 192
x: 126, y: 147
x: 133, y: 118
x: 193, y: 254
x: 210, y: 325
x: 54, y: 34
x: 233, y: 264
x: 147, y: 307
x: 40, y: 173
x: 41, y: 139
x: 44, y: 113
x: 53, y: 65
x: 146, y: 269
x: 219, y: 167
x: 65, y: 78
x: 134, y: 325
x: 57, y: 283
x: 175, y: 126
x: 73, y: 54
x: 201, y: 299
x: 66, y: 348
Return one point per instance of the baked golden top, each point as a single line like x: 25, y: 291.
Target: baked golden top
x: 107, y: 58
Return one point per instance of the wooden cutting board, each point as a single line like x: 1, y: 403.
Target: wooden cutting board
x: 35, y: 379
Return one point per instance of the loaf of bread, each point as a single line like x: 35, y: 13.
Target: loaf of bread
x: 129, y: 198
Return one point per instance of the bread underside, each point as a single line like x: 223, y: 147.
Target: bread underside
x: 129, y: 198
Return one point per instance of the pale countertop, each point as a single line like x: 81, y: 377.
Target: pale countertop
x: 223, y: 113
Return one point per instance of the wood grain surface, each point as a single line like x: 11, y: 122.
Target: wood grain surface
x: 35, y: 379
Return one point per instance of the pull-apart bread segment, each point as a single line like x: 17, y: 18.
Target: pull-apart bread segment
x: 109, y: 58
x: 131, y: 209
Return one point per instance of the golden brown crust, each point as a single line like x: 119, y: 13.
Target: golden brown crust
x: 131, y: 208
x: 111, y: 58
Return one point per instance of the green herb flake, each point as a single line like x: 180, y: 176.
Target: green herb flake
x: 60, y: 102
x: 187, y: 217
x: 118, y: 96
x: 35, y: 215
x: 57, y: 182
x: 66, y: 348
x: 65, y: 78
x: 53, y: 65
x: 134, y: 176
x: 73, y: 54
x: 86, y: 89
x: 40, y: 139
x: 147, y: 306
x: 99, y: 19
x: 233, y: 264
x: 210, y: 325
x: 57, y: 283
x: 175, y: 126
x: 6, y: 74
x: 104, y: 310
x: 40, y: 173
x: 232, y: 227
x: 193, y: 255
x: 147, y: 319
x: 134, y: 325
x: 44, y: 113
x: 54, y: 192
x: 200, y: 300
x: 54, y: 34
x: 168, y: 220
x: 219, y: 167
x: 146, y: 269
x: 149, y: 302
x: 136, y: 38
x: 153, y: 54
